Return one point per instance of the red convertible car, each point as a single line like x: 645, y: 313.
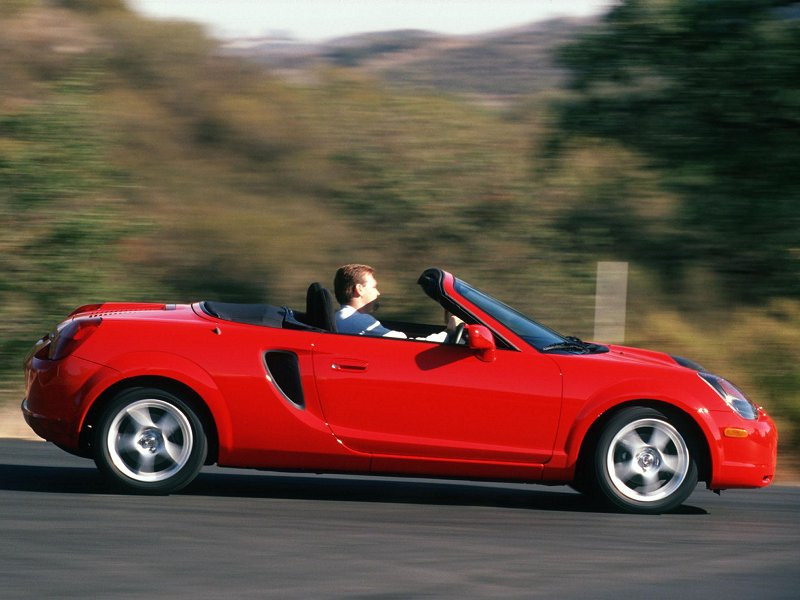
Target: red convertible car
x: 153, y: 392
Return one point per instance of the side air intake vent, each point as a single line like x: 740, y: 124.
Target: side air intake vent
x: 284, y: 372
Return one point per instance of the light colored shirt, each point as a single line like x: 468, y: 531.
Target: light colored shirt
x: 349, y: 320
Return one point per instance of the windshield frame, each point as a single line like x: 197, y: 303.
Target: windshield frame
x: 531, y: 332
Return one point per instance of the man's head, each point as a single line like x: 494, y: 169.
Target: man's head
x: 355, y: 285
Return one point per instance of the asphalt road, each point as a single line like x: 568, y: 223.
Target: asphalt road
x: 246, y: 534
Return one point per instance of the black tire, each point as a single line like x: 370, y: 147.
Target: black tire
x: 149, y: 441
x: 583, y: 487
x: 643, y: 463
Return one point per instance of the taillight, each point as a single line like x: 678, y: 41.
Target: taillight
x: 69, y: 335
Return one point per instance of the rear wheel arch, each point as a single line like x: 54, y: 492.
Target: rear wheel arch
x: 177, y: 388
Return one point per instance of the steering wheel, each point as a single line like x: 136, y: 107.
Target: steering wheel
x: 455, y: 336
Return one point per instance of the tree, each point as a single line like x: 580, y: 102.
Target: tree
x: 709, y: 93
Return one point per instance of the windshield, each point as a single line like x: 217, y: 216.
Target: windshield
x: 532, y: 332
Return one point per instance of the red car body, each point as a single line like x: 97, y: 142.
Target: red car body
x: 284, y: 395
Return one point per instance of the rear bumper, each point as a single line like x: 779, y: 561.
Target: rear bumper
x: 57, y: 396
x: 747, y: 452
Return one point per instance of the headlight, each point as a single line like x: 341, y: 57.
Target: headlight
x: 732, y: 395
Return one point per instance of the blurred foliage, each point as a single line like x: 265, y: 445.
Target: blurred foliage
x: 12, y: 7
x: 92, y: 6
x: 139, y: 163
x: 709, y: 94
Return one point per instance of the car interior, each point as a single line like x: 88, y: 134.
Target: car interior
x: 319, y: 314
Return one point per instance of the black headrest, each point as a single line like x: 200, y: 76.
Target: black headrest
x: 320, y: 310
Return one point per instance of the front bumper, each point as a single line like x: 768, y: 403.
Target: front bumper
x: 747, y: 451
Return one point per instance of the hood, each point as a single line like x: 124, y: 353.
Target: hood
x: 647, y: 357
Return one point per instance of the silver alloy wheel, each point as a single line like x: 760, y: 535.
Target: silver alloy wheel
x: 647, y: 460
x: 149, y: 440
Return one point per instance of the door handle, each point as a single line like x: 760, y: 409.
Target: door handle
x: 349, y: 364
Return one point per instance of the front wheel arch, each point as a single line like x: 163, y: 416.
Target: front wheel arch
x: 686, y: 423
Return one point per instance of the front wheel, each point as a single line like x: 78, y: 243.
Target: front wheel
x: 643, y: 463
x: 150, y: 441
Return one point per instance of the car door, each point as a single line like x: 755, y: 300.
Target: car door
x: 418, y: 399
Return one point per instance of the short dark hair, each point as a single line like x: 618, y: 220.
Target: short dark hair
x: 346, y: 279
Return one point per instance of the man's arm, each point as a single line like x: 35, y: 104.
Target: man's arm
x: 440, y: 336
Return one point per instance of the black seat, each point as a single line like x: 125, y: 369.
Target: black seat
x: 320, y: 311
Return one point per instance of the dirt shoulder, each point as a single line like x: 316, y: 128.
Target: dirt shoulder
x: 12, y: 425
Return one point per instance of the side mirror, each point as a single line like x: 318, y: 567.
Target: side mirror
x: 481, y: 341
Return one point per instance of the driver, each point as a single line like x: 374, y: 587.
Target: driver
x: 357, y: 291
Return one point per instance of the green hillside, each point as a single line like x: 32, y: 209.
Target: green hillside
x: 139, y: 162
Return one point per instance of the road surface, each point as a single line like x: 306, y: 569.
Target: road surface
x: 247, y: 534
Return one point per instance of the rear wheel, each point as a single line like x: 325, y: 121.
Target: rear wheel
x: 150, y: 441
x: 643, y: 463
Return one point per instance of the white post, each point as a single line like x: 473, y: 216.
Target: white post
x: 610, y: 302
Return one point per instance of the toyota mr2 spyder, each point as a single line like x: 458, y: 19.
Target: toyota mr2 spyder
x: 152, y: 392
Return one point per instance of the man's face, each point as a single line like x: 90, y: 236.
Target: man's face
x: 368, y: 290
